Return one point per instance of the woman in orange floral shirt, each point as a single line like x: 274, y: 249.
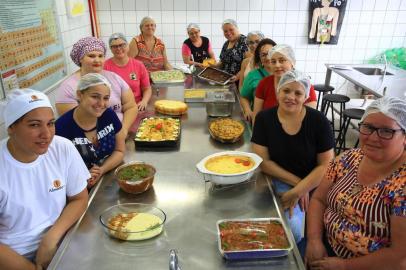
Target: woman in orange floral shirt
x: 149, y: 49
x: 358, y: 213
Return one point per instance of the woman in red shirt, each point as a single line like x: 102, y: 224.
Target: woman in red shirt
x: 282, y: 60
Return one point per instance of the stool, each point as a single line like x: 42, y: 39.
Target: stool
x: 328, y: 101
x: 322, y: 89
x: 348, y: 115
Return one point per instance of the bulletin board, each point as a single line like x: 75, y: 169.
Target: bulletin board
x: 31, y: 49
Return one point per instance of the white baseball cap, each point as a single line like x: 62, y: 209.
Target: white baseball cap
x: 22, y: 101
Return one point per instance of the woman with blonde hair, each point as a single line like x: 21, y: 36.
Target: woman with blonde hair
x: 148, y: 48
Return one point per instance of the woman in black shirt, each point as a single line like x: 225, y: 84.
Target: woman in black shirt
x: 196, y: 48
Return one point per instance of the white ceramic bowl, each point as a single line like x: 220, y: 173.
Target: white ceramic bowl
x: 225, y: 179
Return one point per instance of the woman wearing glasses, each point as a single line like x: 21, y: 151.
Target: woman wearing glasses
x: 196, y: 48
x: 132, y: 71
x: 359, y: 210
x: 282, y: 59
x: 249, y: 63
x: 255, y: 76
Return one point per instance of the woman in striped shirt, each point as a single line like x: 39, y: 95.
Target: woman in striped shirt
x: 358, y: 213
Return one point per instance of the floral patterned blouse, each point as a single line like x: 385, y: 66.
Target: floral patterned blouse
x: 232, y: 58
x: 357, y: 218
x: 153, y: 60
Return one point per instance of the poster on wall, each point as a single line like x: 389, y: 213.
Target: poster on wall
x: 325, y: 20
x: 31, y: 51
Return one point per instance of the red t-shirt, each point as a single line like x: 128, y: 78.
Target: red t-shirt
x: 266, y: 91
x: 134, y: 73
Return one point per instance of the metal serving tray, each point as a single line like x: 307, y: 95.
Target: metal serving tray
x: 215, y: 75
x: 255, y: 253
x: 142, y: 143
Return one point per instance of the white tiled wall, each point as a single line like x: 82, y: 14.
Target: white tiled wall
x: 369, y: 27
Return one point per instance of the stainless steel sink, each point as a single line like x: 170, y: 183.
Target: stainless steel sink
x: 371, y: 71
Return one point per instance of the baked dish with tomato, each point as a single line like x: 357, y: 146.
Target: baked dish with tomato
x: 226, y: 130
x: 158, y: 129
x: 229, y: 164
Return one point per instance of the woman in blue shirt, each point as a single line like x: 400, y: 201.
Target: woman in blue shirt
x: 93, y: 127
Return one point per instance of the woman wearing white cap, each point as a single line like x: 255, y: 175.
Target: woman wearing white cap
x: 93, y: 127
x: 359, y: 210
x: 42, y: 183
x: 196, y: 48
x: 296, y: 143
x: 132, y: 71
x: 282, y: 59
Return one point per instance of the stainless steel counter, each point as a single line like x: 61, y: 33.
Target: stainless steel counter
x: 191, y: 205
x: 390, y: 85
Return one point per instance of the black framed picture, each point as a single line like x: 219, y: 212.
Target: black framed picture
x: 325, y: 20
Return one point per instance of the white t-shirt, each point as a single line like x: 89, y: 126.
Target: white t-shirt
x: 33, y: 195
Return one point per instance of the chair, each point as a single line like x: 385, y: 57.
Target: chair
x: 348, y: 115
x: 328, y: 102
x: 322, y: 89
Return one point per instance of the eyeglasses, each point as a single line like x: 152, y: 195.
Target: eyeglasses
x: 263, y: 54
x: 383, y: 133
x: 119, y: 46
x: 253, y: 42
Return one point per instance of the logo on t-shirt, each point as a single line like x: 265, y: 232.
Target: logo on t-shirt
x: 56, y: 185
x: 133, y: 76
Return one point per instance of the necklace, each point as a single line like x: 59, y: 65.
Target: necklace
x: 89, y: 130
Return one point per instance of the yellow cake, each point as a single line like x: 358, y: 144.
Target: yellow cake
x: 170, y: 107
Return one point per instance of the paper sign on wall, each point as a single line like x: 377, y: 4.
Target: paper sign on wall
x: 75, y: 7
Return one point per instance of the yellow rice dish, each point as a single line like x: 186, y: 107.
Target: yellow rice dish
x: 229, y: 164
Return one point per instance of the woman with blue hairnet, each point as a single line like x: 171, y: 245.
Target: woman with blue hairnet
x: 42, y: 183
x: 93, y: 127
x: 296, y: 144
x: 359, y: 210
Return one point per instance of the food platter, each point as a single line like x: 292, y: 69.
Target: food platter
x: 215, y: 75
x: 226, y: 130
x: 167, y: 76
x: 158, y: 132
x: 225, y: 178
x: 255, y: 238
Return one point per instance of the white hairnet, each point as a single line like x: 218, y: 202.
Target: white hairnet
x: 256, y: 33
x: 295, y: 76
x: 22, y: 101
x: 392, y: 107
x: 285, y: 50
x: 229, y: 21
x: 117, y: 36
x: 92, y: 79
x: 192, y: 26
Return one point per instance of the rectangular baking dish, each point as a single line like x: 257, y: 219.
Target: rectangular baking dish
x: 254, y: 253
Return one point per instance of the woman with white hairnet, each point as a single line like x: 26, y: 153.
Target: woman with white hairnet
x: 296, y: 143
x: 148, y: 48
x: 233, y: 51
x: 42, y: 183
x: 196, y: 48
x: 248, y: 64
x: 132, y: 71
x: 94, y: 128
x: 282, y: 60
x: 359, y: 210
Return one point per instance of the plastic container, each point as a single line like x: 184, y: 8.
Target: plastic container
x: 219, y: 104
